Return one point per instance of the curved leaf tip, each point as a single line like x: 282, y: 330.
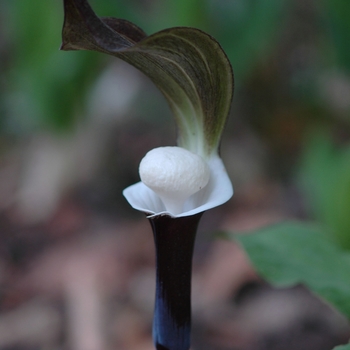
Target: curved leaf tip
x: 186, y: 64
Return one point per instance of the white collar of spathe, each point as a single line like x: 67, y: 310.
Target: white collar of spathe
x: 218, y: 191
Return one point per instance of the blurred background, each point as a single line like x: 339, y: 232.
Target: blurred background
x: 77, y: 263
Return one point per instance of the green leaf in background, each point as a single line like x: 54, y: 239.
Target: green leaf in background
x: 294, y: 253
x: 186, y: 64
x: 342, y: 347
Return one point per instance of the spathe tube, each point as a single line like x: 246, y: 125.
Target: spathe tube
x: 174, y: 241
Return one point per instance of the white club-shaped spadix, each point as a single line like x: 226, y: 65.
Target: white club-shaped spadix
x: 174, y: 174
x: 218, y: 191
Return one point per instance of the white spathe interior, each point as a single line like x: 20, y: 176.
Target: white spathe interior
x: 218, y: 191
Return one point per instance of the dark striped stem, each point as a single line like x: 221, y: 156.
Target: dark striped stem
x: 174, y: 241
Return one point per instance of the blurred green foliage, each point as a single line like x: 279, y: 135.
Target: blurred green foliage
x: 248, y: 30
x: 343, y: 347
x: 337, y: 12
x: 44, y: 87
x: 325, y: 179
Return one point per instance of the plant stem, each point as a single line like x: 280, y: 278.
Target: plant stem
x: 174, y: 241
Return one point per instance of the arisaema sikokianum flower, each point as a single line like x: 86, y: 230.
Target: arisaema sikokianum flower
x: 178, y: 183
